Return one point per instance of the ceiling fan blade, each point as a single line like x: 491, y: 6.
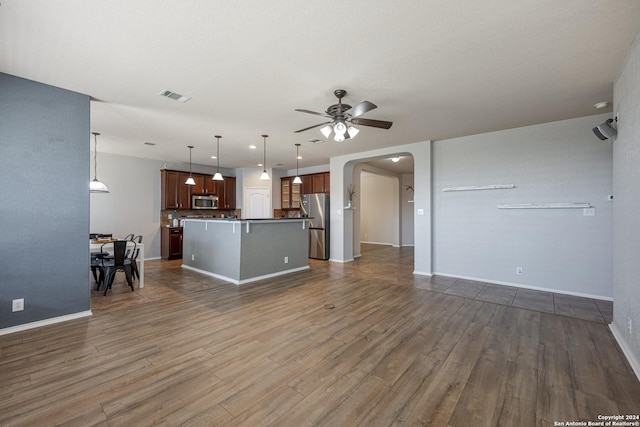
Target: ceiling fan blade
x: 302, y: 110
x: 311, y: 127
x: 383, y: 124
x: 361, y: 108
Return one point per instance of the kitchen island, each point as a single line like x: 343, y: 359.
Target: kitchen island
x: 245, y: 250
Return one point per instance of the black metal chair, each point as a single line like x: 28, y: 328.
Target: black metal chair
x: 118, y: 262
x: 134, y: 257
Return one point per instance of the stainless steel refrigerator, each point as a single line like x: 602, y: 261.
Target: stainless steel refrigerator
x: 316, y: 208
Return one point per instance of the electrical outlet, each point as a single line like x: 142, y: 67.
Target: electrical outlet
x: 193, y: 257
x: 519, y: 271
x: 286, y: 260
x: 17, y: 305
x: 589, y: 212
x: 420, y: 212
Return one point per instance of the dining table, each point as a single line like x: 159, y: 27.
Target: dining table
x: 97, y: 246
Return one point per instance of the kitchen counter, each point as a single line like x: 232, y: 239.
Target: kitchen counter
x: 245, y: 250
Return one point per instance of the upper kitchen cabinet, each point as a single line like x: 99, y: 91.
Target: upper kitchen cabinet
x: 228, y: 199
x: 289, y: 193
x: 204, y: 184
x: 320, y: 183
x: 307, y: 184
x: 175, y: 194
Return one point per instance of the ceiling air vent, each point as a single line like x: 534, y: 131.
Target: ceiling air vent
x: 149, y: 143
x: 175, y: 96
x: 316, y: 141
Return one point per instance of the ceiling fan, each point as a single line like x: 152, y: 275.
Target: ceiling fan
x: 343, y: 116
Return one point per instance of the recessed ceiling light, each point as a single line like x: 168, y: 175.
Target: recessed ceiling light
x: 253, y: 147
x: 174, y: 96
x: 299, y: 157
x: 259, y: 164
x: 395, y: 159
x: 601, y: 105
x: 213, y: 157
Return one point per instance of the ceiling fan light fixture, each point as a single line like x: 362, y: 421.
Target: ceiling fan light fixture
x: 353, y: 131
x: 340, y: 128
x: 326, y: 131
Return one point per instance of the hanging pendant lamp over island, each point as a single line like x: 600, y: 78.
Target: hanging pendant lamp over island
x: 218, y: 175
x: 96, y: 186
x: 297, y: 179
x: 264, y: 176
x: 190, y: 180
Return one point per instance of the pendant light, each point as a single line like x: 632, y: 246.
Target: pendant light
x: 96, y: 186
x: 218, y: 175
x: 190, y: 180
x: 264, y: 176
x: 297, y: 179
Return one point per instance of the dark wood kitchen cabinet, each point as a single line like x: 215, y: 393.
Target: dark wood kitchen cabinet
x: 229, y: 199
x: 291, y: 193
x: 171, y: 243
x: 175, y: 194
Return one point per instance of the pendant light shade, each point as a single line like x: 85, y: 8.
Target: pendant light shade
x: 218, y: 175
x: 297, y: 179
x: 264, y: 176
x: 190, y: 180
x: 96, y: 186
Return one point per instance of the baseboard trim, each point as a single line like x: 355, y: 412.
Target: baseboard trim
x: 422, y: 273
x: 243, y: 281
x: 519, y: 285
x: 45, y: 322
x: 626, y: 350
x: 341, y: 261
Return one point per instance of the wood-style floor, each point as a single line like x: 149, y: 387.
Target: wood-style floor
x: 359, y: 344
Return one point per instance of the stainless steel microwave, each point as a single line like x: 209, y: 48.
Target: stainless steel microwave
x: 204, y: 201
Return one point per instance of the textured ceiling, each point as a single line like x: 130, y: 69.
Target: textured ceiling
x: 437, y: 69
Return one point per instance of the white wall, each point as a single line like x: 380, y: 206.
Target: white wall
x: 559, y: 249
x: 342, y: 223
x: 626, y: 228
x: 133, y: 204
x: 406, y: 211
x: 379, y: 216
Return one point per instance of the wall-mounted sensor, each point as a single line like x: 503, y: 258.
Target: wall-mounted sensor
x: 605, y: 130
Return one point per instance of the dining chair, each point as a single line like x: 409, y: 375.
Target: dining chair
x: 134, y: 257
x: 118, y: 262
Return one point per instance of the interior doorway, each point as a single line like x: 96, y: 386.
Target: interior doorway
x: 257, y: 202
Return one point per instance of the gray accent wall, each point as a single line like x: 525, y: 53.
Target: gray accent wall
x: 626, y: 187
x: 558, y: 249
x: 44, y: 208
